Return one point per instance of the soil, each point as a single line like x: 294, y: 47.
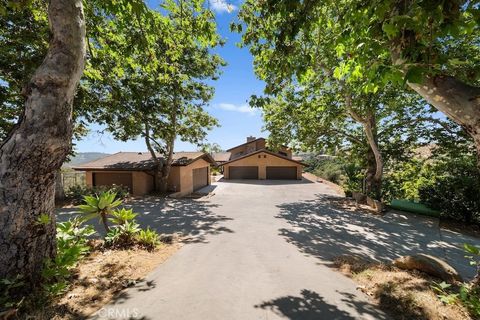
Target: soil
x: 403, y: 295
x: 100, y: 277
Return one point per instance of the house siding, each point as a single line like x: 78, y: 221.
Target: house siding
x: 180, y: 179
x: 263, y: 160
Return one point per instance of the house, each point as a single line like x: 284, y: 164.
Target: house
x: 253, y: 160
x: 190, y: 171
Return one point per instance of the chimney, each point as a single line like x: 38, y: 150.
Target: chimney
x: 250, y: 138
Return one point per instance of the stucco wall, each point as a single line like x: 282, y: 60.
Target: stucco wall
x: 263, y: 160
x: 142, y: 183
x: 180, y: 179
x: 186, y: 175
x: 174, y: 182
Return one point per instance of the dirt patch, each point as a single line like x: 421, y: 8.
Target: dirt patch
x: 338, y: 189
x: 404, y: 295
x: 349, y: 205
x: 101, y: 276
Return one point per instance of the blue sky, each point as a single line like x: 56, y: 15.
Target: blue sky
x: 229, y: 106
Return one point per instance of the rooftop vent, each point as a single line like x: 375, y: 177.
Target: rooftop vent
x: 250, y: 138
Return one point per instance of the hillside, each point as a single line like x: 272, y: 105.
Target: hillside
x: 84, y: 157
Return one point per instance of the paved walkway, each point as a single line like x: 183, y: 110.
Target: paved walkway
x: 262, y: 250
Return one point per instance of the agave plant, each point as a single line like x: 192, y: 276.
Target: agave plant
x: 100, y: 205
x: 122, y: 216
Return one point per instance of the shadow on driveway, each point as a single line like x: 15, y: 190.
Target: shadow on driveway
x: 311, y: 306
x: 190, y: 218
x: 324, y: 231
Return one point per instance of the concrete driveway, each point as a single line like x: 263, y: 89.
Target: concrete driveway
x: 262, y: 250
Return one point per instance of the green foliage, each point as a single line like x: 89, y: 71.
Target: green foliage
x: 404, y: 179
x: 122, y: 216
x: 330, y: 169
x: 455, y: 189
x: 148, y: 238
x: 123, y: 236
x: 11, y: 295
x: 77, y: 192
x: 466, y: 294
x: 161, y: 96
x: 99, y: 206
x: 72, y: 238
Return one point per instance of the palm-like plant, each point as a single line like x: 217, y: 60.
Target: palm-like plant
x: 122, y: 216
x: 100, y: 205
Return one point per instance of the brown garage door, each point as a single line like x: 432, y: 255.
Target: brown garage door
x: 200, y: 178
x: 243, y: 172
x: 282, y: 173
x: 109, y: 178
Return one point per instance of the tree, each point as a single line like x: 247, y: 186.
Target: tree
x: 36, y: 147
x: 368, y: 129
x: 162, y: 99
x: 210, y: 148
x: 432, y: 46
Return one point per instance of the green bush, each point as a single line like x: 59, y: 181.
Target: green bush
x: 121, y: 216
x: 72, y: 245
x: 123, y: 236
x: 148, y: 239
x: 466, y: 294
x: 403, y: 180
x: 454, y: 191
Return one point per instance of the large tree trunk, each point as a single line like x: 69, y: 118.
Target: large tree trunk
x: 167, y: 167
x: 36, y: 148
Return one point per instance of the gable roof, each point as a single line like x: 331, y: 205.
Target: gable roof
x: 140, y: 161
x: 221, y: 156
x: 266, y: 151
x: 245, y: 143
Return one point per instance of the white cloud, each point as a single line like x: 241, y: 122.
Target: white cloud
x: 244, y: 108
x: 222, y: 6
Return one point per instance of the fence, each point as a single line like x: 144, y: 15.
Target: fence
x: 66, y: 180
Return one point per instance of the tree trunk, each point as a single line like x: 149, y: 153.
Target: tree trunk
x: 375, y: 164
x: 166, y: 167
x: 374, y: 179
x: 105, y: 222
x: 37, y: 146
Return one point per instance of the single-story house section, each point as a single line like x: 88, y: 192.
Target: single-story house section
x: 190, y: 171
x: 263, y: 164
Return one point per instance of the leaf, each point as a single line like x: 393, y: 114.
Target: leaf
x: 415, y: 74
x: 390, y: 29
x: 471, y: 249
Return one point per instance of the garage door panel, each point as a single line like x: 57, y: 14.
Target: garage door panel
x: 243, y: 172
x: 200, y: 178
x: 282, y: 173
x: 111, y: 178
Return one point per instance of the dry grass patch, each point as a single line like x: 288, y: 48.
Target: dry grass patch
x: 102, y: 275
x: 404, y: 295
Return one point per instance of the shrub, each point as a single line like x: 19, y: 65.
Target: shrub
x: 123, y: 235
x: 148, y: 238
x: 122, y: 216
x: 454, y: 190
x: 100, y: 206
x: 72, y: 239
x: 466, y: 294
